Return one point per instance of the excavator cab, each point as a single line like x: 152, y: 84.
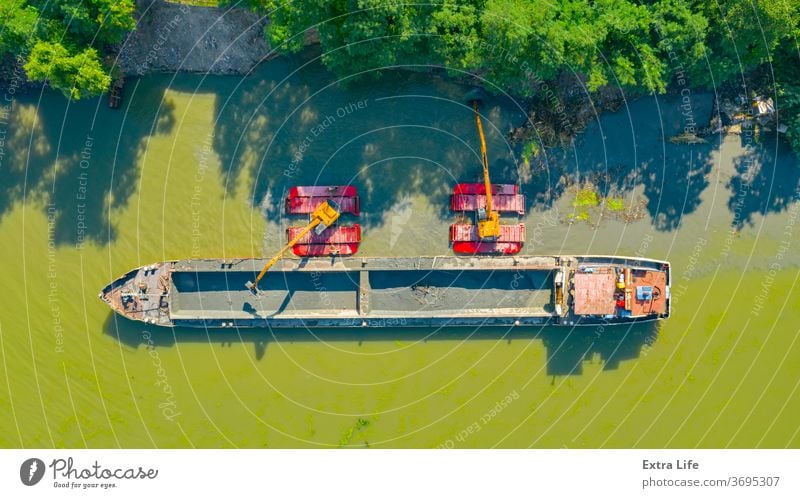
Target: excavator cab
x: 327, y: 213
x: 488, y: 224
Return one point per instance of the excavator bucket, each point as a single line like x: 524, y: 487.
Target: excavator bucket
x: 477, y: 94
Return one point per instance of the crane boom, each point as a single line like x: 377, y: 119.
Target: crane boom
x: 323, y: 216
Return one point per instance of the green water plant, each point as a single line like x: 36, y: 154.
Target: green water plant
x: 529, y: 152
x: 615, y: 204
x: 586, y: 197
x: 360, y: 424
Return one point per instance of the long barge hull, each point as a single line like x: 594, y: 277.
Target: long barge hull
x: 396, y: 292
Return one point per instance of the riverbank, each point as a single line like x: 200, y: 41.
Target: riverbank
x: 172, y: 37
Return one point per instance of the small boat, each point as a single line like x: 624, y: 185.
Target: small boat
x: 115, y: 93
x: 488, y: 236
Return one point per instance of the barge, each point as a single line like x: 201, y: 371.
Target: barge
x: 396, y: 292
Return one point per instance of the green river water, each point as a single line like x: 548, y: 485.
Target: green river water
x: 196, y: 166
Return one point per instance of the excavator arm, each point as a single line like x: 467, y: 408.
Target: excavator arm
x: 323, y: 216
x: 488, y: 221
x: 484, y: 158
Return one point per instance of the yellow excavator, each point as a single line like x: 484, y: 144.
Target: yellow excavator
x: 323, y: 216
x: 488, y: 218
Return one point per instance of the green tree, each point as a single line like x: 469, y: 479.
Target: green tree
x: 608, y: 41
x: 745, y: 34
x: 77, y: 75
x: 454, y: 33
x: 61, y: 35
x: 17, y: 25
x: 786, y: 71
x: 790, y: 113
x: 356, y: 35
x: 90, y: 21
x: 679, y: 33
x: 512, y: 42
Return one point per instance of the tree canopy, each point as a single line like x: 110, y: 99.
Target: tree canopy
x: 77, y: 75
x: 61, y: 40
x: 17, y: 25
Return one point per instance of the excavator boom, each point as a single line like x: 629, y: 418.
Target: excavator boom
x: 323, y: 216
x: 484, y: 159
x: 488, y: 224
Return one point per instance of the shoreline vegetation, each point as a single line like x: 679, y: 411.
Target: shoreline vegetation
x: 566, y: 60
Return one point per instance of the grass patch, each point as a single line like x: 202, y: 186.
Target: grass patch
x: 582, y: 215
x: 530, y: 151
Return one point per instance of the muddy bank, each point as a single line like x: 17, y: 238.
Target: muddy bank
x: 174, y: 37
x: 561, y: 108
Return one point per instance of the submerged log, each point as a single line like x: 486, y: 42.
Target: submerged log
x: 687, y: 138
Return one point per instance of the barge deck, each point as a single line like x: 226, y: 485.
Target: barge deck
x: 395, y: 292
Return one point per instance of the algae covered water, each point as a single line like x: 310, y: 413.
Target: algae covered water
x: 197, y: 166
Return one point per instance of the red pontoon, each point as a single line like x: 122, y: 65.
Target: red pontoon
x: 472, y: 196
x: 303, y: 200
x: 465, y: 240
x: 336, y: 240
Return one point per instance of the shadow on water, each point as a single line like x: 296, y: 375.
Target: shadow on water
x: 567, y: 347
x: 292, y: 123
x: 78, y: 159
x: 765, y: 182
x: 630, y: 148
x: 566, y: 352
